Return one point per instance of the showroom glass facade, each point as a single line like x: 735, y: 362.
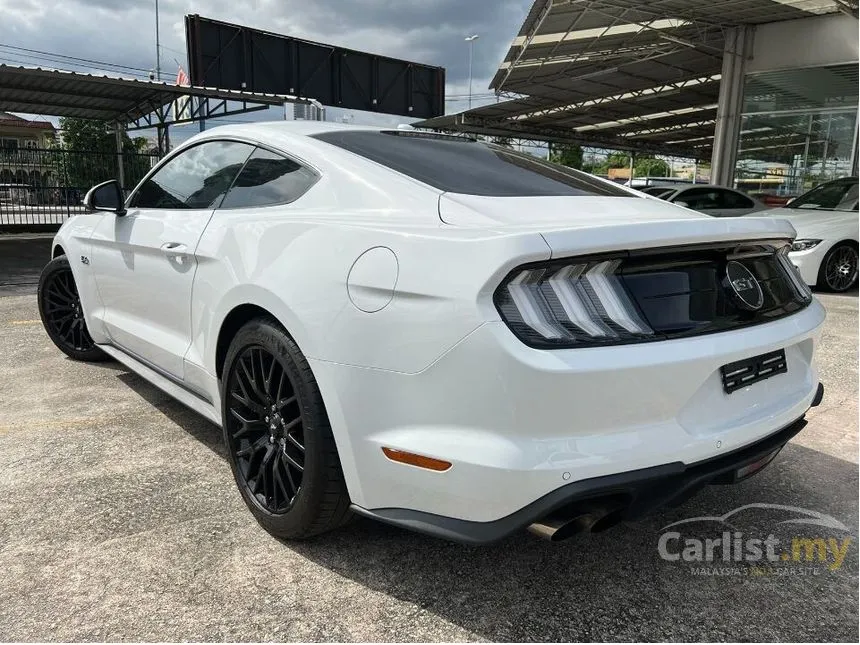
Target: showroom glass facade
x: 799, y: 128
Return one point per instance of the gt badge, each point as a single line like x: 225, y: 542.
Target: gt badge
x: 746, y: 288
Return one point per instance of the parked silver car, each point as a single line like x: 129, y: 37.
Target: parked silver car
x: 717, y: 201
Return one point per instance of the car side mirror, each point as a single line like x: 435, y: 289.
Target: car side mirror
x: 681, y: 202
x: 107, y: 196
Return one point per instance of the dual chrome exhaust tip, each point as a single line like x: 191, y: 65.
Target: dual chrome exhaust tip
x: 592, y: 516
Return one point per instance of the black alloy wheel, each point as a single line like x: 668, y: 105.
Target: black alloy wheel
x: 278, y: 437
x: 62, y: 314
x: 266, y: 433
x: 839, y: 269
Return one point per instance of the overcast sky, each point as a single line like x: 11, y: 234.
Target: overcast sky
x: 123, y: 31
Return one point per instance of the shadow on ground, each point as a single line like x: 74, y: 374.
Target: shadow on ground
x: 196, y: 426
x: 21, y: 261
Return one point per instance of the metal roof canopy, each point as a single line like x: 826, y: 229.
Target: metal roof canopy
x: 623, y: 74
x: 133, y: 103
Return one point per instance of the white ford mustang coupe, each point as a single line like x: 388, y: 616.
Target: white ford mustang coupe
x: 438, y: 333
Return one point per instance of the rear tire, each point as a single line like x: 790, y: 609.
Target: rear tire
x: 838, y: 272
x: 62, y: 314
x: 278, y: 437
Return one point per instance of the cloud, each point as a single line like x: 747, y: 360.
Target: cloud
x: 123, y: 31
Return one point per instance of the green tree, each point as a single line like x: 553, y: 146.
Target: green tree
x: 618, y: 160
x: 651, y: 167
x: 96, y: 136
x: 569, y: 155
x: 90, y: 154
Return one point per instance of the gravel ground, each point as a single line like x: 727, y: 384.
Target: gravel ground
x: 119, y: 520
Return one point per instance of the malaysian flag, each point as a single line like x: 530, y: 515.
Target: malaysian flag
x: 182, y: 106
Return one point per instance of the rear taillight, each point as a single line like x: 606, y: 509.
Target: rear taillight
x: 648, y: 295
x: 572, y: 304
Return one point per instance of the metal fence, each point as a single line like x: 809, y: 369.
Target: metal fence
x: 46, y: 186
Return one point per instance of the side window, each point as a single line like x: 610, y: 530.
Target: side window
x: 268, y: 179
x: 731, y: 199
x: 699, y: 198
x: 195, y: 178
x: 849, y: 200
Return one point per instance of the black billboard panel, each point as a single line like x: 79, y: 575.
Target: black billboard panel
x: 233, y: 57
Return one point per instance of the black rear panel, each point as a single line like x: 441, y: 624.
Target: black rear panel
x: 686, y: 293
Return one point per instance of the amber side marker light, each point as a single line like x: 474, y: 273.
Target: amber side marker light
x: 412, y: 459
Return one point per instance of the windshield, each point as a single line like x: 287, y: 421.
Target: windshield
x: 840, y: 195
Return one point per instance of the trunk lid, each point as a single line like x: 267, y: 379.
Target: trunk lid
x: 580, y: 225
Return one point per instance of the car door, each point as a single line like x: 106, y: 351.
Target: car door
x: 144, y: 262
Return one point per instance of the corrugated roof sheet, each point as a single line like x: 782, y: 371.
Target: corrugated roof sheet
x: 61, y: 93
x: 598, y: 71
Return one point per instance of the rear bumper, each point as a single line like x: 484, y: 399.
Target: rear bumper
x: 640, y: 491
x: 518, y: 423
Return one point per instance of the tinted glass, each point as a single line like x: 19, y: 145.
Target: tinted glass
x: 699, y: 198
x: 658, y: 191
x: 731, y: 199
x: 268, y: 179
x: 458, y: 165
x: 832, y: 196
x: 196, y: 178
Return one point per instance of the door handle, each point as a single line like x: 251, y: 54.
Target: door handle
x: 174, y: 248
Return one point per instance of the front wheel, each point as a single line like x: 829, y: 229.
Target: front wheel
x: 838, y: 270
x: 61, y: 312
x: 279, y: 441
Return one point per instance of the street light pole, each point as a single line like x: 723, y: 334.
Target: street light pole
x: 471, y: 40
x: 157, y: 46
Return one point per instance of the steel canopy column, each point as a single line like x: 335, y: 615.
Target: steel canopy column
x: 120, y: 170
x: 730, y: 106
x: 163, y: 140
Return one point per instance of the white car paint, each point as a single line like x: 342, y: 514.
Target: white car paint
x: 683, y: 196
x: 386, y: 284
x: 829, y: 226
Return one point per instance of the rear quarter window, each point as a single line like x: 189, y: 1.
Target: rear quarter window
x: 457, y: 165
x: 269, y: 179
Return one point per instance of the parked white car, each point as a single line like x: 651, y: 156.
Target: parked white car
x: 826, y: 222
x: 640, y: 183
x: 439, y: 333
x: 716, y: 201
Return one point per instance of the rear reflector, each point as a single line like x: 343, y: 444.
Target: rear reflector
x: 754, y: 467
x: 412, y: 459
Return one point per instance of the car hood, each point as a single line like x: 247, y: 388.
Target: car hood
x: 597, y: 224
x: 811, y: 223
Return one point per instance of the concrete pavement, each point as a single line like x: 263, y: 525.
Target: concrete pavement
x: 119, y: 520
